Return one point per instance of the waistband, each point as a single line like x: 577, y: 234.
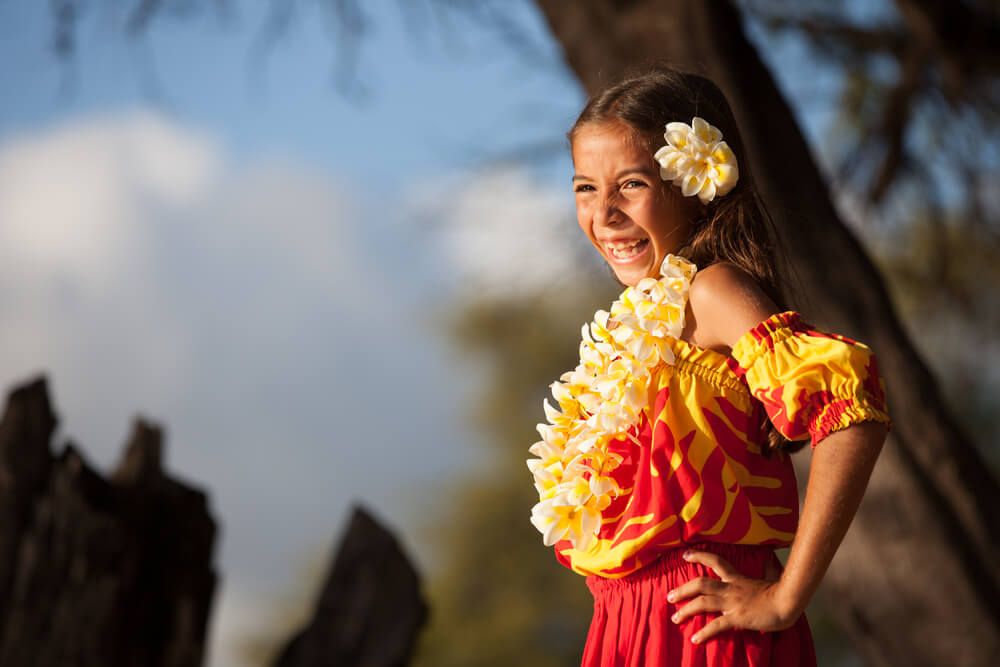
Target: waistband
x: 672, y: 559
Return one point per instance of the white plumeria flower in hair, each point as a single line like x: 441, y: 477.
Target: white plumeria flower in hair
x: 697, y: 160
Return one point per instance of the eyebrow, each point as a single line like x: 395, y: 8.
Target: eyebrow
x: 623, y: 172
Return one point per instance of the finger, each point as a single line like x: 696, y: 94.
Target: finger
x: 696, y: 586
x: 712, y: 628
x: 717, y: 563
x: 699, y: 605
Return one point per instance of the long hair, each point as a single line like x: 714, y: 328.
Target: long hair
x: 736, y: 227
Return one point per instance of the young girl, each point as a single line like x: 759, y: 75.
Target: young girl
x: 664, y: 474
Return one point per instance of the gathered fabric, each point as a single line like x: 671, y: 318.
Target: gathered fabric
x: 631, y: 625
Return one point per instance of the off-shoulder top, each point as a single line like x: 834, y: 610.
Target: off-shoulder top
x: 696, y: 471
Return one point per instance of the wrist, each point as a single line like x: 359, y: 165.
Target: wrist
x: 790, y: 602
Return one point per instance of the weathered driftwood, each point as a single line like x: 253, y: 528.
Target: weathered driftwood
x: 370, y: 610
x: 97, y: 571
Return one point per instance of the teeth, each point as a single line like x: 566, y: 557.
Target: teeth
x: 626, y: 245
x: 625, y: 250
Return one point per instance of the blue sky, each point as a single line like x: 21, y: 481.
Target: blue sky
x: 435, y: 100
x: 257, y: 262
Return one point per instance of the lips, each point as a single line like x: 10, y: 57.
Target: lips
x: 626, y: 250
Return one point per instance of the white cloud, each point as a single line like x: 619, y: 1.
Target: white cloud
x: 68, y: 198
x: 504, y: 234
x: 75, y: 205
x: 245, y: 307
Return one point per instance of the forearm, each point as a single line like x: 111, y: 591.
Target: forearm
x: 838, y: 476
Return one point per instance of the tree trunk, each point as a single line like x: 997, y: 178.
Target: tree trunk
x: 916, y: 580
x: 370, y: 609
x: 109, y: 573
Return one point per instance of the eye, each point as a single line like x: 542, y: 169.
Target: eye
x: 584, y: 187
x: 633, y: 183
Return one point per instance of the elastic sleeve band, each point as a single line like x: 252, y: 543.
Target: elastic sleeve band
x: 810, y: 382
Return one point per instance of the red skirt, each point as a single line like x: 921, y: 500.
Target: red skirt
x: 631, y: 626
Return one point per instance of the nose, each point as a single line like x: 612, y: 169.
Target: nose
x: 606, y: 211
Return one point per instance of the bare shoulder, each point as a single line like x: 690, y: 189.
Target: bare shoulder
x: 724, y: 302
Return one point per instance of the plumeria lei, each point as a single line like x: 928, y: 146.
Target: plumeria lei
x: 601, y: 400
x: 697, y: 160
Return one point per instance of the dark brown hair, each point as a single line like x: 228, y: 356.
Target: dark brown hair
x: 736, y: 227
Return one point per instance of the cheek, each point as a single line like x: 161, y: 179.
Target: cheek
x: 643, y: 211
x: 662, y: 214
x: 584, y: 220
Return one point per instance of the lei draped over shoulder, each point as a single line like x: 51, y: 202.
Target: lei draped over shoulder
x: 601, y: 400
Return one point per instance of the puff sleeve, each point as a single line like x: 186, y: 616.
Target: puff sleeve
x: 810, y: 382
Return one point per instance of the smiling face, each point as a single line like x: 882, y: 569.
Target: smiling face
x: 632, y: 217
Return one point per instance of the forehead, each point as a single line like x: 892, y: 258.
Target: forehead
x: 609, y: 144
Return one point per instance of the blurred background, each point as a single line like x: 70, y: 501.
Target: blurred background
x: 330, y: 247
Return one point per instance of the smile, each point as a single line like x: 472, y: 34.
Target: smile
x: 628, y: 252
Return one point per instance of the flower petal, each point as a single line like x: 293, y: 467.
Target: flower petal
x: 707, y: 192
x: 692, y: 184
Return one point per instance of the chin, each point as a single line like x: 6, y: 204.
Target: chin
x: 629, y: 278
x: 632, y: 275
x: 629, y: 275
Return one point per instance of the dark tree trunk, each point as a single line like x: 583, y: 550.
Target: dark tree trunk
x: 916, y: 581
x: 370, y: 610
x: 92, y: 571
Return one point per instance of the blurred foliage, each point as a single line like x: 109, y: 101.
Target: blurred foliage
x: 918, y: 97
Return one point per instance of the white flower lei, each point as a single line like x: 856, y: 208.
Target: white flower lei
x: 601, y: 400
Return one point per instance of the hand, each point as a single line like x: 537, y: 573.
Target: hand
x: 745, y: 603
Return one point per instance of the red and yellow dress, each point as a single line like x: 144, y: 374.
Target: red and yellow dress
x: 695, y: 476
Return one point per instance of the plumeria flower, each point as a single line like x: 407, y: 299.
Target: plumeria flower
x: 599, y: 327
x: 683, y: 271
x: 562, y: 521
x: 697, y: 160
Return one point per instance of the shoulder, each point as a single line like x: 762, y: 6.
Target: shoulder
x: 725, y: 302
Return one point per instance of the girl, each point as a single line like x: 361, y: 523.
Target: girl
x: 664, y: 474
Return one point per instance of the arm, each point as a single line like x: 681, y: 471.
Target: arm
x: 725, y: 303
x: 841, y: 467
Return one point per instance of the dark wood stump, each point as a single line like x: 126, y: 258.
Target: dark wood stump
x: 370, y: 610
x: 94, y: 571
